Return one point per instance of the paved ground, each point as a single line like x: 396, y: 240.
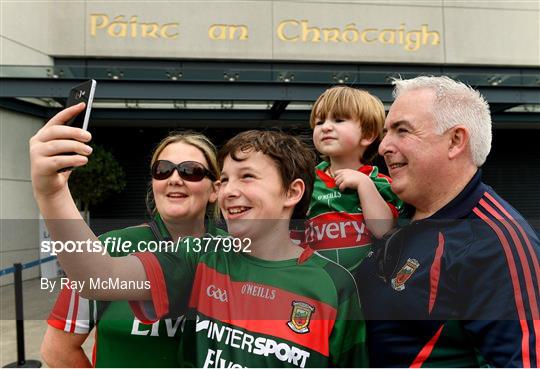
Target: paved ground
x: 37, y: 304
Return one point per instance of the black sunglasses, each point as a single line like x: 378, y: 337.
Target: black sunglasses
x: 190, y: 171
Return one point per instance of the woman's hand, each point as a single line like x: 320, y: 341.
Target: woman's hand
x: 48, y: 148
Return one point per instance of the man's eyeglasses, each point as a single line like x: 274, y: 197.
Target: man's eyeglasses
x: 190, y: 171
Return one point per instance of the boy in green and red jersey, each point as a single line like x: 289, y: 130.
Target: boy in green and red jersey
x: 259, y: 308
x: 351, y: 202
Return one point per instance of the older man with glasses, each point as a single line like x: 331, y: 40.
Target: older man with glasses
x: 459, y: 284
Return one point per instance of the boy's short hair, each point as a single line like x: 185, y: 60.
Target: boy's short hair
x: 291, y: 156
x: 351, y: 103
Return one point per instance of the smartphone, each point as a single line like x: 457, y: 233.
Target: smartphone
x: 80, y: 93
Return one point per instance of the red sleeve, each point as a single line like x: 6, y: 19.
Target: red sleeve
x: 393, y: 209
x: 150, y: 311
x: 72, y: 313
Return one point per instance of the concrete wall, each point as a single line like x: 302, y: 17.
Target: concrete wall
x: 24, y: 33
x: 19, y: 234
x: 24, y: 40
x: 467, y: 32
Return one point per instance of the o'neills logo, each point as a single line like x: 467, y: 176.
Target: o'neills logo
x: 329, y: 196
x: 258, y: 291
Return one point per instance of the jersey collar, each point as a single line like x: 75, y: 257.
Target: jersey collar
x: 162, y: 228
x: 320, y: 171
x: 463, y: 203
x: 305, y: 255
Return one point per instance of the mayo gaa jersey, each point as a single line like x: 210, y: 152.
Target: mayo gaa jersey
x: 248, y: 312
x: 336, y: 227
x: 121, y: 339
x: 456, y: 288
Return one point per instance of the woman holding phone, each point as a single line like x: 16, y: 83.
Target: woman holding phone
x: 181, y: 196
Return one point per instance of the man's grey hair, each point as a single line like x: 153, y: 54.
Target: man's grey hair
x: 455, y: 103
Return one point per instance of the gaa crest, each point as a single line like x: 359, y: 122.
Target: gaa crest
x: 406, y: 271
x: 300, y: 317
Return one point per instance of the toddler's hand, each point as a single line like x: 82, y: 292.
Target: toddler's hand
x: 349, y: 178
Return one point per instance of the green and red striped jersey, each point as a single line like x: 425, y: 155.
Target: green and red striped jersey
x: 336, y: 226
x: 248, y: 312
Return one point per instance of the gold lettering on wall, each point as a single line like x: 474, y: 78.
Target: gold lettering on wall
x: 283, y: 34
x: 292, y: 30
x: 364, y: 36
x: 119, y: 27
x: 228, y: 32
x: 167, y: 30
x: 94, y: 24
x: 331, y: 35
x: 435, y: 37
x: 149, y: 30
x: 288, y: 30
x: 311, y: 34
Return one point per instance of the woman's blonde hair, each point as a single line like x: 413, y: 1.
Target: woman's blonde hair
x: 209, y: 151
